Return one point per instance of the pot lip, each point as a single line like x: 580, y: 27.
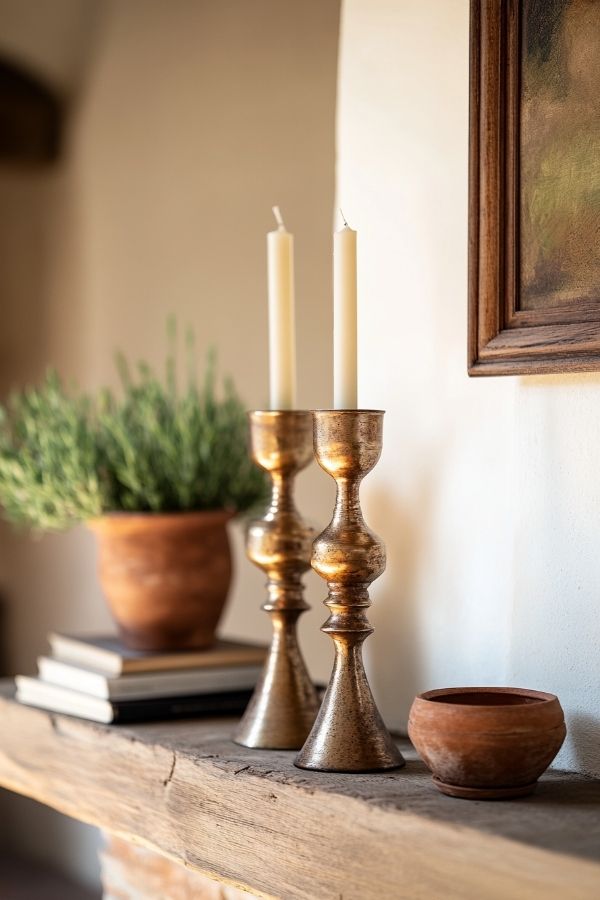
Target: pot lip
x: 276, y: 413
x: 108, y: 520
x: 349, y: 412
x: 280, y: 413
x: 540, y: 698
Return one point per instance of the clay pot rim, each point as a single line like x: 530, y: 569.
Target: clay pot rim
x: 111, y: 520
x: 350, y: 412
x: 539, y: 697
x: 304, y: 412
x: 279, y: 413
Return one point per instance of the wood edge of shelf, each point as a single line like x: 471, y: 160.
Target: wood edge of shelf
x: 201, y: 811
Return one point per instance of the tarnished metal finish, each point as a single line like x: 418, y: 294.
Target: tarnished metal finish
x: 349, y: 734
x: 285, y: 702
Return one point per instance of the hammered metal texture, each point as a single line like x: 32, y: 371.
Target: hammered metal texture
x: 285, y: 702
x: 349, y: 734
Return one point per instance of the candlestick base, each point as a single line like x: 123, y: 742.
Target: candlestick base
x: 285, y: 702
x: 349, y: 734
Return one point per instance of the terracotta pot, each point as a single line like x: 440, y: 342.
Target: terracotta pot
x: 165, y: 576
x: 486, y: 743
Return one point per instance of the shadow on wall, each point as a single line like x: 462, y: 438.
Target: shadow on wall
x: 393, y: 653
x: 584, y: 737
x: 49, y: 584
x: 45, y: 880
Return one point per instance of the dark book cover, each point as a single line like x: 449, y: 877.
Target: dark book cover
x: 226, y: 704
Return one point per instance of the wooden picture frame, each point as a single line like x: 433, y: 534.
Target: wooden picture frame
x: 505, y: 339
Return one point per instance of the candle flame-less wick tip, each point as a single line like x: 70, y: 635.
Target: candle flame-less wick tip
x: 278, y: 217
x: 344, y: 219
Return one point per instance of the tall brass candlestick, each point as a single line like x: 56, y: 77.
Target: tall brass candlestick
x: 349, y: 734
x: 285, y: 703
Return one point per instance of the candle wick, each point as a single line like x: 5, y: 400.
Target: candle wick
x: 344, y: 219
x: 278, y: 218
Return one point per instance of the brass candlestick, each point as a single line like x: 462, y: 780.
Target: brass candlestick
x: 349, y: 734
x: 285, y: 703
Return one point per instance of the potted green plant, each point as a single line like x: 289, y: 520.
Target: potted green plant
x: 156, y: 473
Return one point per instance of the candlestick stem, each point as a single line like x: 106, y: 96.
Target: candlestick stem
x: 349, y: 734
x: 284, y: 705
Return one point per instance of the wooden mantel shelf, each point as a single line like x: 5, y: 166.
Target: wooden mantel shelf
x: 251, y: 819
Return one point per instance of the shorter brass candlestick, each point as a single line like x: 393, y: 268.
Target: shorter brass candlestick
x: 349, y: 734
x: 285, y: 703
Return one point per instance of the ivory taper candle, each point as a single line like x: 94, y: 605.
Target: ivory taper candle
x: 344, y: 319
x: 282, y: 331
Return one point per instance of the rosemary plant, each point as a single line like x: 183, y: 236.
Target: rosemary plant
x: 150, y: 447
x: 49, y: 459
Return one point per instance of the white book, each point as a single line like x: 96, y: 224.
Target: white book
x: 33, y: 692
x: 180, y: 683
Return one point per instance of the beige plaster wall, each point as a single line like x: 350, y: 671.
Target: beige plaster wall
x: 190, y: 121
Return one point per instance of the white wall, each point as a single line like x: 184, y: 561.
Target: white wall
x: 555, y: 633
x: 487, y: 493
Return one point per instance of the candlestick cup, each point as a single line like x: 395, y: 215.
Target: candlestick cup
x: 349, y: 734
x: 285, y: 703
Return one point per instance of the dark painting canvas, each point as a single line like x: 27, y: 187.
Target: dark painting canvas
x: 560, y: 153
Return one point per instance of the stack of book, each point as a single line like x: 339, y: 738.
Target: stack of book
x: 98, y: 678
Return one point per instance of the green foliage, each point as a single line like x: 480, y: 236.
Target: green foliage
x: 65, y: 458
x: 48, y: 459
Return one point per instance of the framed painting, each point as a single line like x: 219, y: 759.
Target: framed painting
x: 534, y: 187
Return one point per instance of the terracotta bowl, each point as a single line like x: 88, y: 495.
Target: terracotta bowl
x: 486, y: 743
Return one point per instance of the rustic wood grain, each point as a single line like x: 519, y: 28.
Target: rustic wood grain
x: 537, y: 339
x: 253, y: 820
x: 502, y: 339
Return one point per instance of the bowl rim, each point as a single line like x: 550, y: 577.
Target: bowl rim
x: 541, y: 697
